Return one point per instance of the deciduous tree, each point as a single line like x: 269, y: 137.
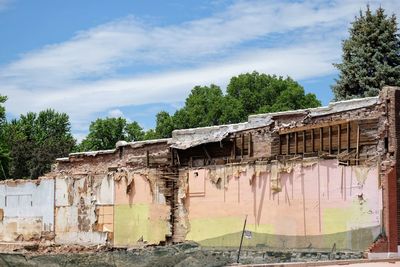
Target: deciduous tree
x: 105, y: 133
x: 35, y: 140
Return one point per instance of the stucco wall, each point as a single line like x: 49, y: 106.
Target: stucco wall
x: 140, y: 211
x: 27, y: 208
x: 306, y: 204
x: 79, y: 212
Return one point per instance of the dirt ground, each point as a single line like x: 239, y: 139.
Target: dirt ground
x: 185, y: 255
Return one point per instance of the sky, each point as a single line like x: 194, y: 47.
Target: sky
x: 134, y: 58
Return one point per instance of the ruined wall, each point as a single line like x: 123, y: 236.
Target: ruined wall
x: 314, y: 178
x: 84, y: 208
x: 141, y: 215
x: 26, y: 210
x: 113, y: 197
x: 309, y: 204
x: 323, y: 178
x: 84, y: 201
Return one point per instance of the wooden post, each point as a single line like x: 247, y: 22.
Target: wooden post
x: 250, y: 145
x: 288, y: 143
x: 330, y: 140
x: 147, y: 158
x: 312, y: 141
x: 339, y: 138
x: 295, y: 143
x: 242, y: 146
x: 358, y: 145
x: 177, y: 157
x: 280, y: 145
x: 348, y: 137
x: 304, y: 142
x: 234, y: 148
x: 321, y: 139
x: 172, y: 157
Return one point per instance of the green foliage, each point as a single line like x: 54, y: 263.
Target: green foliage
x: 203, y: 107
x: 371, y: 56
x: 247, y: 94
x: 134, y: 132
x: 105, y: 133
x: 165, y: 125
x: 151, y: 134
x: 35, y: 140
x: 262, y: 93
x: 3, y: 99
x: 4, y: 153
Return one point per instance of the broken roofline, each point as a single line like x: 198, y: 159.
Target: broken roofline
x: 119, y: 144
x: 186, y: 138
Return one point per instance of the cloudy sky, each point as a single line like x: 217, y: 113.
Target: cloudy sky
x: 133, y: 58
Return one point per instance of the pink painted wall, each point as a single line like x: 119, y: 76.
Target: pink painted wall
x: 321, y: 199
x: 141, y: 192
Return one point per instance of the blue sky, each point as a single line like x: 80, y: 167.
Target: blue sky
x: 98, y: 58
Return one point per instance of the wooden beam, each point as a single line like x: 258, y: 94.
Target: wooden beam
x: 147, y: 158
x: 304, y: 142
x: 206, y: 153
x: 348, y: 137
x: 250, y: 146
x: 287, y: 144
x: 295, y: 143
x: 339, y: 127
x: 330, y: 140
x: 313, y: 126
x: 280, y: 145
x: 234, y: 148
x: 242, y: 146
x: 172, y: 156
x: 321, y: 139
x: 358, y: 144
x: 177, y: 157
x: 312, y: 141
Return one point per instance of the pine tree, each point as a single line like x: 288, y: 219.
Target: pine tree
x: 371, y: 56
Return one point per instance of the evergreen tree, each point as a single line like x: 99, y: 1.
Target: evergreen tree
x: 371, y: 56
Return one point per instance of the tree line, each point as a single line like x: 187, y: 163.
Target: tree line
x: 370, y: 60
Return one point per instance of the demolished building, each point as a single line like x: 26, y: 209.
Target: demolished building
x: 314, y: 178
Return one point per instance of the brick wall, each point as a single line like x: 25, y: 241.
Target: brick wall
x: 396, y: 136
x: 391, y: 198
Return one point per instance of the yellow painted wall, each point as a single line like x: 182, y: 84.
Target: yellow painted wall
x: 136, y: 221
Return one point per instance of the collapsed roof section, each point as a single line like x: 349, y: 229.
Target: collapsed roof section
x: 187, y: 138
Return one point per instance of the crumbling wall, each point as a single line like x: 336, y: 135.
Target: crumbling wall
x: 308, y: 178
x: 26, y: 210
x: 303, y: 204
x: 113, y: 196
x: 141, y: 214
x: 84, y: 208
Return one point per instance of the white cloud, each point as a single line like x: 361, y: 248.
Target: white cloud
x: 115, y: 113
x: 299, y: 62
x: 80, y: 76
